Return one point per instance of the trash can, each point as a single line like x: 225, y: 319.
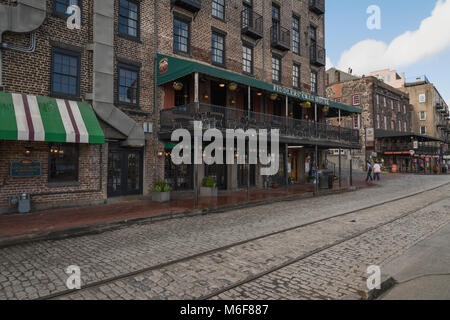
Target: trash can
x: 330, y: 181
x: 323, y: 180
x: 25, y: 203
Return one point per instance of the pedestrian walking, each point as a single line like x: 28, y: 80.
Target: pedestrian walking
x: 369, y: 171
x: 376, y: 171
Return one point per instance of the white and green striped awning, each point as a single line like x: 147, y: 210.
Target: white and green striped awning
x: 34, y: 118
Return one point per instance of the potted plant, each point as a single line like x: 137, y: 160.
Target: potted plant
x: 177, y: 86
x: 273, y: 96
x: 209, y: 187
x: 325, y: 109
x: 435, y: 169
x: 306, y: 105
x: 275, y: 185
x: 232, y: 86
x: 161, y: 191
x: 291, y: 180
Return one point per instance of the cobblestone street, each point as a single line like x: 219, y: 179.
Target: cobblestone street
x: 315, y: 248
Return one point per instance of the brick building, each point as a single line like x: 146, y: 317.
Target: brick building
x: 261, y: 62
x: 386, y: 125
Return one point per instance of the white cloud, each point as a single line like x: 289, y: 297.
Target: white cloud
x: 328, y: 64
x: 432, y: 37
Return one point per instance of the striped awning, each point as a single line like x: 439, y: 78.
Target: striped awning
x: 35, y: 118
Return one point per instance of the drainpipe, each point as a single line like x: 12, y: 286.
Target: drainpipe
x: 249, y: 100
x: 27, y: 16
x: 340, y: 170
x: 316, y: 154
x: 286, y: 147
x: 196, y: 106
x: 155, y: 94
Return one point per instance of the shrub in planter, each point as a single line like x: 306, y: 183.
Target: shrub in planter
x: 209, y: 187
x: 161, y: 191
x: 436, y: 169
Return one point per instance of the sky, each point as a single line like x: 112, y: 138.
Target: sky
x: 414, y: 37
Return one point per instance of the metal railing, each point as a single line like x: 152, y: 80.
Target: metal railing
x: 280, y: 37
x: 252, y: 23
x: 223, y: 118
x: 317, y: 6
x: 317, y: 55
x: 397, y: 147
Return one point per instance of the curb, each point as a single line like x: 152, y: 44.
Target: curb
x: 98, y: 228
x: 387, y: 283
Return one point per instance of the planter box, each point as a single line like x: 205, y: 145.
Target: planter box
x: 208, y: 192
x: 161, y: 196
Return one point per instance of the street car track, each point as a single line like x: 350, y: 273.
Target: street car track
x: 259, y: 275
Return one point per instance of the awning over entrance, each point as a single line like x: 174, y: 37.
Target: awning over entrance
x: 34, y: 118
x: 171, y: 68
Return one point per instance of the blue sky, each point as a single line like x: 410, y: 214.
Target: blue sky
x: 346, y: 26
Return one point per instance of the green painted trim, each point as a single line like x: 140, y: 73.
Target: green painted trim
x: 8, y: 123
x: 92, y: 126
x: 171, y: 68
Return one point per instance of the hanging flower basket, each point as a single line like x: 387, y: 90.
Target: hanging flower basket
x: 232, y: 86
x: 306, y: 105
x: 273, y: 96
x: 177, y: 86
x: 325, y: 109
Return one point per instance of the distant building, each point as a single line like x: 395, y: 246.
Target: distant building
x: 390, y: 77
x: 334, y: 75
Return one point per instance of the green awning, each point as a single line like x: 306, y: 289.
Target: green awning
x: 171, y: 68
x: 33, y: 118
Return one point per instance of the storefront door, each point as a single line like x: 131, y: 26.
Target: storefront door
x: 124, y: 171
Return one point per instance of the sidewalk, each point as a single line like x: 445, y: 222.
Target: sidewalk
x: 17, y: 228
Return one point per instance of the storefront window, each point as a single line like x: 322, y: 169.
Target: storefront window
x: 63, y: 163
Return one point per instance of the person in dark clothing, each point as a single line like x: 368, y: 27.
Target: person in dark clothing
x: 369, y: 172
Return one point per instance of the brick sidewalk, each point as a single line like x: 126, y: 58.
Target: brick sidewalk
x: 67, y: 218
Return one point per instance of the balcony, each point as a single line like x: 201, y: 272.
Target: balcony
x: 252, y: 24
x: 280, y: 38
x: 222, y: 118
x: 317, y: 55
x: 405, y: 147
x: 190, y: 5
x: 317, y: 6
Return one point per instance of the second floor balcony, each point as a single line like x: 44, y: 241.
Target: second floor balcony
x: 317, y: 55
x: 222, y: 118
x: 190, y: 5
x: 280, y: 38
x: 317, y: 6
x: 252, y: 24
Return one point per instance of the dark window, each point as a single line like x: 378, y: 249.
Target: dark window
x: 181, y: 35
x: 218, y: 9
x: 218, y: 48
x: 128, y: 88
x: 276, y: 20
x: 63, y: 163
x: 314, y: 82
x: 247, y: 59
x: 276, y: 68
x: 296, y: 35
x: 65, y: 72
x: 60, y: 6
x: 296, y: 76
x: 129, y: 18
x: 247, y: 14
x: 356, y: 100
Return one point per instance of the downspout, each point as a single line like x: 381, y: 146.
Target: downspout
x: 27, y: 16
x: 155, y: 93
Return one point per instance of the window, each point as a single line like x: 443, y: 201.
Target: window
x: 65, y: 72
x: 378, y: 100
x: 422, y: 98
x: 378, y: 121
x: 247, y: 59
x: 399, y: 108
x: 128, y: 88
x: 129, y: 18
x: 296, y: 76
x: 405, y: 129
x: 60, y: 6
x: 423, y: 130
x: 218, y: 49
x: 276, y: 68
x: 338, y: 100
x: 314, y: 82
x: 423, y: 115
x: 392, y: 125
x: 385, y: 123
x: 63, y: 163
x: 404, y: 108
x: 356, y: 100
x: 181, y: 35
x: 295, y: 35
x: 247, y: 13
x: 399, y: 126
x: 392, y: 105
x: 384, y: 102
x: 218, y: 9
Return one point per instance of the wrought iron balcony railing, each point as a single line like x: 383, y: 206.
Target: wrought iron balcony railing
x: 252, y: 24
x: 317, y: 55
x: 317, y: 6
x: 222, y: 118
x: 280, y: 38
x: 190, y: 5
x: 405, y: 147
